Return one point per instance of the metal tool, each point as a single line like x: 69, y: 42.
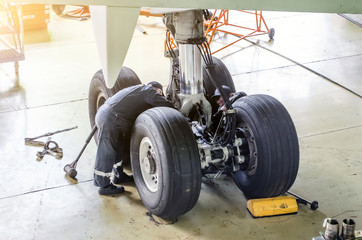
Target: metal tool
x: 332, y: 229
x: 313, y: 205
x: 54, y: 151
x: 30, y: 141
x: 348, y: 227
x: 70, y: 169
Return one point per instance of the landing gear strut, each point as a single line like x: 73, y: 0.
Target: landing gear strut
x: 254, y: 140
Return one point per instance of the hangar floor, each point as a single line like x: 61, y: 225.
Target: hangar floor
x: 38, y: 202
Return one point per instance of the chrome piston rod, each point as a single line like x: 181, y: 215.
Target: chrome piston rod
x: 191, y: 78
x: 187, y: 29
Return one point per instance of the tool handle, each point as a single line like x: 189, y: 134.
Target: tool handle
x: 50, y: 133
x: 69, y: 169
x: 313, y: 205
x: 302, y: 200
x: 94, y: 129
x: 74, y: 163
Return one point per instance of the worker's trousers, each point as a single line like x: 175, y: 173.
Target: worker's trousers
x: 113, y: 146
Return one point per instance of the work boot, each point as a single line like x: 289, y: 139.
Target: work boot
x: 123, y: 178
x: 111, y: 190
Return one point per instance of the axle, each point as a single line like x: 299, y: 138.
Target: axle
x: 215, y: 156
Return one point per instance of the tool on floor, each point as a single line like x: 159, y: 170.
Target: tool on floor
x: 264, y: 207
x: 31, y: 142
x: 313, y: 205
x: 54, y: 151
x: 332, y: 230
x: 49, y: 147
x: 348, y: 227
x: 70, y: 169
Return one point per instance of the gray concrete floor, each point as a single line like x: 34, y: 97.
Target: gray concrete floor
x: 38, y: 202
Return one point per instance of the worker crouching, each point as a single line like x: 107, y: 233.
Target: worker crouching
x: 114, y: 121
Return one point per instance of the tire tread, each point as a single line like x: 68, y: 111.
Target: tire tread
x: 183, y: 160
x: 278, y: 146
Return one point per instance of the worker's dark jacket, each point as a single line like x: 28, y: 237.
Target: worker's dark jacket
x: 114, y: 120
x: 130, y: 102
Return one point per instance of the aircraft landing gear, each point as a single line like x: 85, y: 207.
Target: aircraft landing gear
x: 254, y: 140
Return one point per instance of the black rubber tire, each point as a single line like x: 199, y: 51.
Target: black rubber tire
x: 223, y: 76
x: 177, y: 159
x: 126, y: 78
x: 58, y: 8
x: 273, y: 135
x: 99, y: 93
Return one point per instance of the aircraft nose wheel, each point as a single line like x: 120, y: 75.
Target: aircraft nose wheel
x: 273, y: 147
x: 148, y: 165
x: 165, y: 162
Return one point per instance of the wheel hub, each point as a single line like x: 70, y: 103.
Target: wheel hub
x: 148, y: 166
x: 252, y: 164
x: 101, y: 99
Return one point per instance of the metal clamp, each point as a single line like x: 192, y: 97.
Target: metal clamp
x: 55, y: 151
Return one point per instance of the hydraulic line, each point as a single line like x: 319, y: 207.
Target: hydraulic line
x: 206, y: 56
x: 168, y: 45
x: 229, y: 129
x: 305, y: 67
x: 232, y: 130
